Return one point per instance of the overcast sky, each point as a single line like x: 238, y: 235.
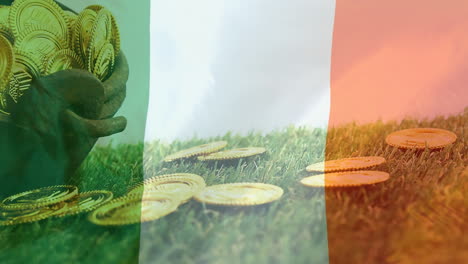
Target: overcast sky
x: 219, y: 66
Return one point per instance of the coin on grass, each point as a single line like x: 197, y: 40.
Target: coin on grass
x: 420, y: 138
x: 62, y: 60
x: 233, y: 154
x: 240, y: 194
x: 134, y: 209
x: 7, y: 58
x: 197, y: 151
x: 42, y: 197
x: 44, y: 13
x: 86, y: 202
x: 182, y: 185
x: 346, y: 179
x: 15, y: 217
x: 356, y: 163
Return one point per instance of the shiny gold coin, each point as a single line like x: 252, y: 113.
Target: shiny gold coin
x: 82, y: 33
x: 197, y: 151
x: 15, y: 217
x: 420, y: 138
x: 42, y: 197
x: 25, y: 14
x: 134, y: 209
x: 356, y: 163
x: 182, y: 185
x: 63, y: 60
x: 40, y: 41
x: 346, y: 179
x: 6, y: 61
x: 115, y: 38
x: 233, y: 154
x: 104, y: 63
x: 19, y: 83
x: 100, y: 36
x: 29, y: 62
x: 86, y: 202
x: 6, y: 32
x: 240, y: 194
x: 4, y: 12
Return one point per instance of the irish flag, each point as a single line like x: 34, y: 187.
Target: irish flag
x: 308, y: 80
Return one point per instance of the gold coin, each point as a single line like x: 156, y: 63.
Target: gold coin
x: 6, y: 32
x: 43, y: 13
x: 196, y: 151
x: 346, y: 179
x: 30, y: 62
x: 15, y: 217
x: 182, y: 185
x: 240, y: 194
x: 105, y: 62
x: 6, y: 61
x: 46, y: 196
x: 115, y: 38
x: 4, y: 12
x: 63, y: 60
x: 86, y: 202
x: 82, y: 33
x: 233, y: 154
x: 100, y: 36
x: 356, y: 163
x: 20, y: 82
x: 39, y: 41
x: 134, y: 209
x: 419, y: 138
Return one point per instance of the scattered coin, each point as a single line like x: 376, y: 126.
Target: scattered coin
x: 233, y: 154
x: 42, y: 197
x: 420, y: 138
x: 346, y: 179
x: 182, y: 185
x: 134, y: 209
x: 240, y: 194
x: 85, y: 202
x: 197, y: 151
x: 15, y: 217
x: 356, y: 163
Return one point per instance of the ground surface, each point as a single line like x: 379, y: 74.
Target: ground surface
x: 418, y: 216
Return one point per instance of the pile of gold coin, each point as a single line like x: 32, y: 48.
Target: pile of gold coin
x: 54, y: 201
x: 38, y: 38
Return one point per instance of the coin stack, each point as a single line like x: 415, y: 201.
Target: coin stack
x: 57, y: 201
x: 38, y: 38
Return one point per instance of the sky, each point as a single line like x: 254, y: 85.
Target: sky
x: 219, y: 66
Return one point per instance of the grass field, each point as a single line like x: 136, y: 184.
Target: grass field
x: 418, y: 216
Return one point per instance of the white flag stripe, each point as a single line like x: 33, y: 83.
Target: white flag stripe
x: 219, y: 66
